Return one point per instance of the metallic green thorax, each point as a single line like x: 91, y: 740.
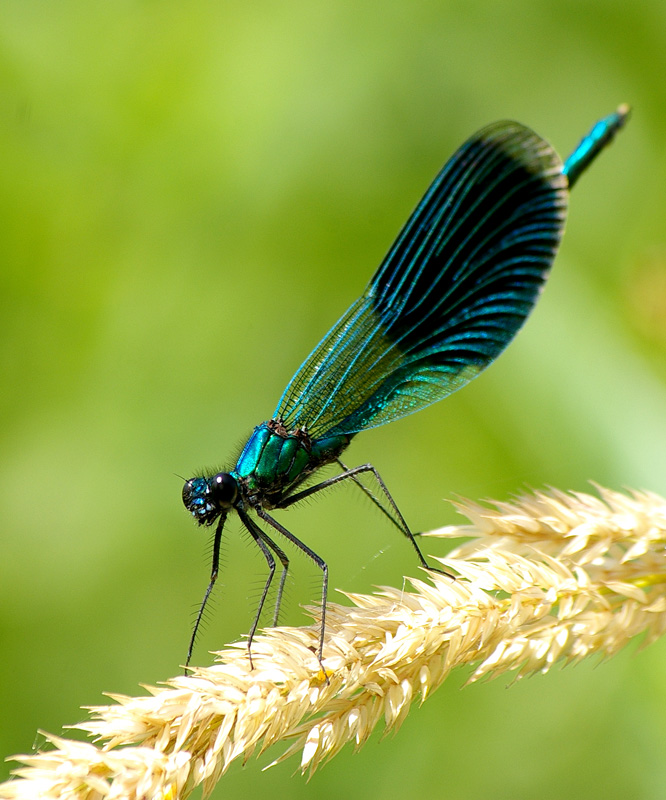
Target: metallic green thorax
x: 275, y: 460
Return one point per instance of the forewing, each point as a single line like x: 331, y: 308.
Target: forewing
x: 454, y: 289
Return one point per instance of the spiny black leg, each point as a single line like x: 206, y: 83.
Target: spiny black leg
x: 213, y: 577
x: 282, y: 556
x: 351, y: 474
x: 372, y: 498
x: 319, y: 561
x: 283, y: 559
x: 399, y: 523
x: 258, y: 537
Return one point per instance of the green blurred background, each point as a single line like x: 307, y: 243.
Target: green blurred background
x: 191, y: 194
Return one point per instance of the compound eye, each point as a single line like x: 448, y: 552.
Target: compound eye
x: 224, y: 488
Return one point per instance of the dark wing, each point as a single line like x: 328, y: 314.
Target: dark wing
x: 460, y: 280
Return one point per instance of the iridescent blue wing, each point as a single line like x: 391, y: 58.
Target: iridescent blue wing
x: 454, y: 289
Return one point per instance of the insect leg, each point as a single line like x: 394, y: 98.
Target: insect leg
x: 282, y: 558
x: 213, y: 577
x: 260, y: 538
x: 318, y: 560
x: 352, y: 474
x: 401, y: 527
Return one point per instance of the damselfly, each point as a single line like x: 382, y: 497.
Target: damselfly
x: 458, y: 283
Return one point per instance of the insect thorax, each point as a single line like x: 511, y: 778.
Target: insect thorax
x: 275, y: 460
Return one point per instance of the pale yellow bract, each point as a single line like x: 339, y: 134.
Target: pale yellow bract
x: 550, y: 577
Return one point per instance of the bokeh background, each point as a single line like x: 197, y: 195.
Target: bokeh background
x: 190, y: 195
